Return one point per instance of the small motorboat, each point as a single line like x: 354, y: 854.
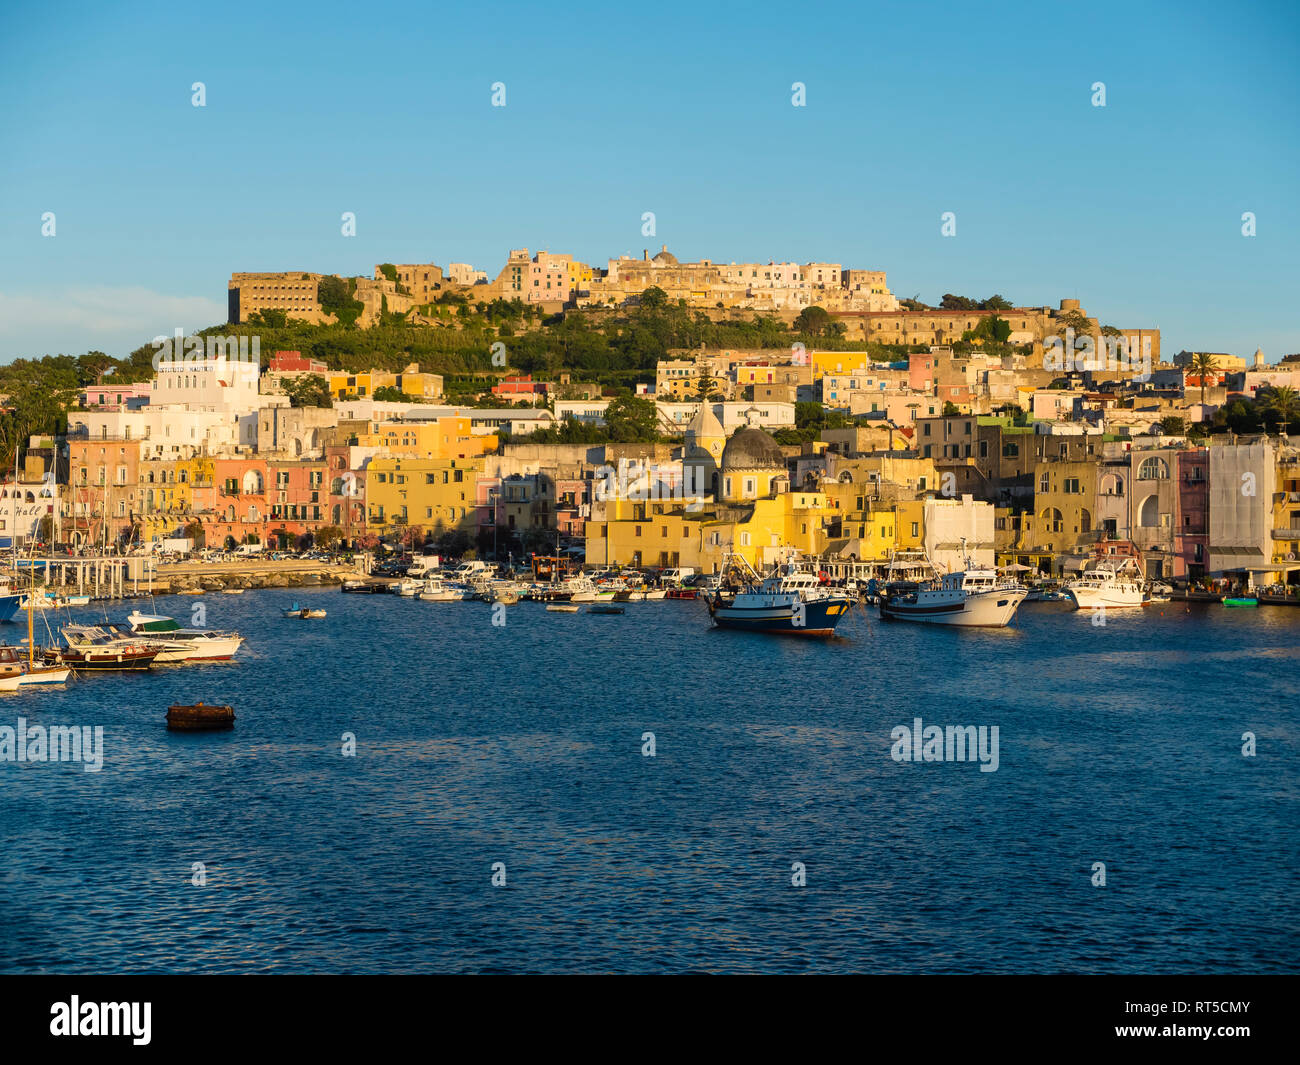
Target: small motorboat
x: 1240, y: 600
x: 297, y: 611
x: 232, y: 591
x: 605, y: 608
x: 200, y: 717
x: 562, y: 608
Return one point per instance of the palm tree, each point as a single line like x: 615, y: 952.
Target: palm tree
x: 1202, y: 364
x: 1283, y: 402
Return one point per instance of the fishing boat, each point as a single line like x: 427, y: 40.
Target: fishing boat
x: 408, y: 586
x: 25, y: 667
x: 790, y: 601
x: 436, y: 590
x: 200, y: 718
x: 363, y: 587
x: 1115, y: 584
x: 506, y: 592
x: 973, y: 596
x: 166, y: 634
x: 33, y: 671
x: 562, y: 608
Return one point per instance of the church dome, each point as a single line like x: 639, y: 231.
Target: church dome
x: 752, y: 449
x: 665, y: 257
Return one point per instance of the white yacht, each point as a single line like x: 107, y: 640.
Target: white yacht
x: 1111, y: 582
x: 166, y: 634
x: 974, y: 596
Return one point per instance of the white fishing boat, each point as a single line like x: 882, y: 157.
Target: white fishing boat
x: 974, y: 596
x: 166, y: 633
x: 435, y: 590
x: 1115, y: 583
x: 26, y: 670
x: 408, y: 586
x: 580, y: 589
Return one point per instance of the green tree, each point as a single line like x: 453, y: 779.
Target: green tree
x: 813, y: 322
x: 632, y: 419
x: 654, y: 298
x: 335, y: 297
x: 329, y: 536
x: 309, y: 390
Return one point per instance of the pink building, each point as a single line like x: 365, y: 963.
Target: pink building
x: 1192, y: 516
x: 921, y: 371
x: 116, y: 397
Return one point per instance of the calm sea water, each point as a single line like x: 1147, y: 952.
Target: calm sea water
x: 522, y: 745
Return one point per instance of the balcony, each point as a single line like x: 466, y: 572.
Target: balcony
x: 1286, y: 534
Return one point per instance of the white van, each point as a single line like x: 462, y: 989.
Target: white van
x: 673, y: 578
x: 423, y: 566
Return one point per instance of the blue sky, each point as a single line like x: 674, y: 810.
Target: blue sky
x: 913, y: 109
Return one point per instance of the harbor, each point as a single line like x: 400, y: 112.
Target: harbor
x: 522, y: 743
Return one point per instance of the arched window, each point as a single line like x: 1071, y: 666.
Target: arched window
x: 1112, y: 485
x: 1149, y: 514
x: 252, y: 483
x: 1052, y: 520
x: 1085, y: 521
x: 1153, y: 469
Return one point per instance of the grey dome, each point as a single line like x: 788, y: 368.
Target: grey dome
x: 752, y: 449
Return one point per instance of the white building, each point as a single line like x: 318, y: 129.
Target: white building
x: 164, y: 432
x: 949, y: 522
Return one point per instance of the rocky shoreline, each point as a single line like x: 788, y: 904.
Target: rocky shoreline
x: 196, y: 584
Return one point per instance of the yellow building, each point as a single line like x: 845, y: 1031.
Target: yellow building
x: 171, y: 491
x: 756, y: 516
x: 909, y: 524
x: 435, y: 494
x: 860, y: 528
x: 416, y: 385
x: 1286, y: 512
x: 443, y: 438
x: 838, y: 362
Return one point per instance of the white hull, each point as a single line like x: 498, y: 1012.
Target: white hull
x: 200, y: 649
x: 1112, y: 598
x: 993, y: 609
x: 45, y: 675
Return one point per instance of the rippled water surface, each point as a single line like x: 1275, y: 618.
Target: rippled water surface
x: 522, y: 744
